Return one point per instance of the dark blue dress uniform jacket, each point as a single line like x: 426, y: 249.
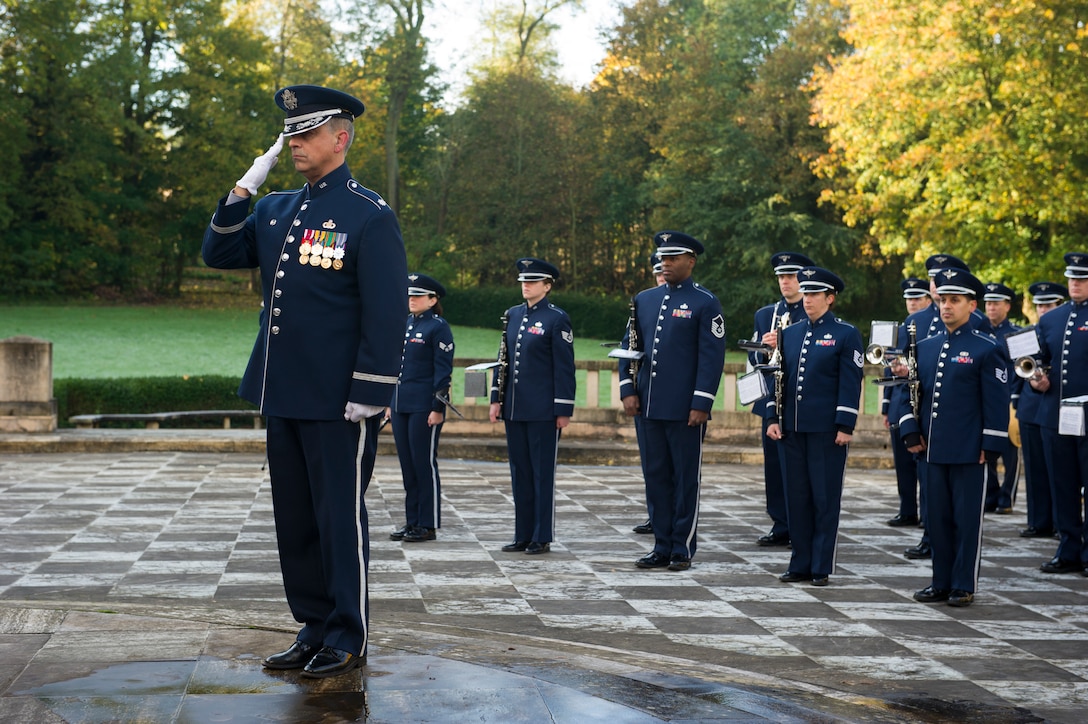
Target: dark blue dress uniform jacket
x: 964, y: 397
x: 1063, y: 339
x: 682, y: 332
x: 540, y: 382
x: 814, y: 352
x: 428, y: 364
x: 314, y: 353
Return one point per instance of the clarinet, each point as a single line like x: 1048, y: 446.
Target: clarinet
x: 504, y: 360
x: 780, y: 323
x: 912, y: 369
x: 633, y: 341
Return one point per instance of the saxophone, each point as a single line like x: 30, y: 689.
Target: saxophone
x: 504, y: 359
x: 633, y: 342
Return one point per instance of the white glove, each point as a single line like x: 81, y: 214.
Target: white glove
x: 258, y: 172
x: 354, y: 412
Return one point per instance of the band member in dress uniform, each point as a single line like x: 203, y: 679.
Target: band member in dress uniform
x: 928, y: 322
x: 916, y: 297
x: 324, y: 364
x: 823, y: 360
x: 1046, y: 296
x: 417, y: 412
x: 785, y: 264
x: 1063, y: 335
x: 681, y: 330
x: 963, y: 419
x: 659, y: 278
x: 536, y: 403
x: 1001, y: 492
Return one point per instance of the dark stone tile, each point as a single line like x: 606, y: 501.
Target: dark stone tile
x: 848, y: 646
x: 926, y: 629
x: 787, y: 609
x: 610, y: 607
x: 1054, y: 649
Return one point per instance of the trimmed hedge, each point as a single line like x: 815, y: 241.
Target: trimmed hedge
x: 592, y: 316
x: 138, y: 395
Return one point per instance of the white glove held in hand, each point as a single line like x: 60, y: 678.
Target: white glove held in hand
x: 258, y: 172
x: 355, y: 412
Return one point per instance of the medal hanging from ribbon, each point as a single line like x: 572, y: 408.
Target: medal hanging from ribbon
x: 322, y: 248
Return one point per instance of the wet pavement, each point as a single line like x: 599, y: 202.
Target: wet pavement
x: 144, y: 586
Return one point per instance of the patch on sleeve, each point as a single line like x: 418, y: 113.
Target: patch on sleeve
x: 568, y: 337
x: 858, y: 360
x: 1002, y: 374
x: 717, y: 326
x: 445, y: 347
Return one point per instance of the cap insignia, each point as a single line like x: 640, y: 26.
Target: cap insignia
x: 665, y: 237
x: 1077, y: 259
x: 940, y: 259
x: 808, y: 273
x: 413, y: 277
x: 991, y: 287
x: 290, y: 101
x: 526, y: 263
x: 949, y: 274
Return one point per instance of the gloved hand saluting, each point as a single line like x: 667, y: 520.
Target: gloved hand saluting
x: 258, y: 172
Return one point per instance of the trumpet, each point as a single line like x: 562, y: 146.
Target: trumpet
x: 1028, y: 368
x: 877, y: 354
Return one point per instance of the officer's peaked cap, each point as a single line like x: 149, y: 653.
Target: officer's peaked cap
x: 1047, y: 293
x: 674, y: 243
x: 1076, y: 265
x: 959, y: 281
x: 310, y: 106
x: 789, y: 262
x: 655, y: 262
x: 421, y: 285
x: 914, y: 288
x: 997, y: 292
x: 944, y: 261
x: 536, y: 270
x: 816, y: 279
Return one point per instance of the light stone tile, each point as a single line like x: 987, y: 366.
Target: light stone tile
x: 1031, y: 631
x: 786, y: 626
x: 891, y: 668
x: 960, y: 648
x: 753, y: 645
x: 680, y: 607
x: 600, y: 624
x: 481, y: 607
x: 1069, y: 695
x: 890, y: 611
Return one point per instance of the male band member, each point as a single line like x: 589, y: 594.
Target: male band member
x: 682, y: 332
x: 332, y: 273
x: 1046, y: 296
x: 1063, y: 339
x: 785, y: 264
x: 1001, y: 493
x: 916, y: 297
x: 963, y: 420
x: 659, y: 278
x: 823, y: 364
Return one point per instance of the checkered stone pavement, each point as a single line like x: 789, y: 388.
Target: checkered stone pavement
x: 194, y: 532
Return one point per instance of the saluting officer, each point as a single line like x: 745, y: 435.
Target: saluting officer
x: 1001, y: 493
x: 659, y: 279
x: 1063, y: 335
x: 682, y: 332
x: 963, y: 420
x: 785, y: 265
x: 916, y: 297
x: 327, y: 355
x: 1046, y: 296
x: 823, y: 363
x: 417, y: 412
x: 537, y: 403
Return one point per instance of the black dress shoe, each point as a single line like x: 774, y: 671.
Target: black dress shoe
x: 961, y: 599
x: 1033, y: 532
x: 1004, y: 510
x: 774, y: 539
x: 398, y: 534
x: 1060, y: 565
x: 644, y: 528
x: 418, y: 533
x: 331, y: 662
x: 653, y: 560
x: 535, y: 548
x: 901, y: 520
x: 296, y: 657
x: 792, y: 577
x: 929, y: 594
x: 819, y: 580
x: 679, y: 563
x: 918, y: 552
x: 516, y: 546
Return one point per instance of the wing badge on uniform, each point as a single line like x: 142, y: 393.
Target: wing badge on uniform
x: 568, y: 337
x: 717, y: 326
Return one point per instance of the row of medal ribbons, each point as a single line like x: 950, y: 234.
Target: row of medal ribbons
x: 322, y: 248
